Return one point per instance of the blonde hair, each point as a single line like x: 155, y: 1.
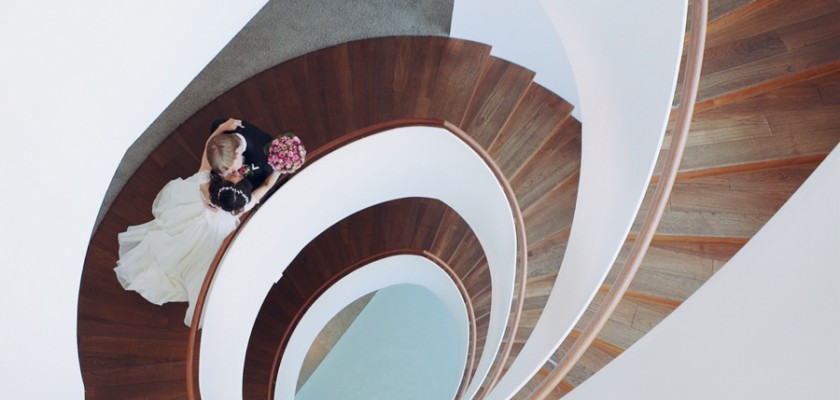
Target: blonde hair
x: 221, y: 152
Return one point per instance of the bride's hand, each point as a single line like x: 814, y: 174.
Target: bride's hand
x: 231, y: 124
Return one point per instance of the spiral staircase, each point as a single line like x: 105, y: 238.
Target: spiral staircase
x: 766, y: 116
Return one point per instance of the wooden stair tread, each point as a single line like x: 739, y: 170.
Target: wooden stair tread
x: 557, y: 160
x: 796, y: 121
x: 764, y: 71
x: 499, y: 91
x: 725, y: 12
x: 539, y: 114
x: 772, y: 15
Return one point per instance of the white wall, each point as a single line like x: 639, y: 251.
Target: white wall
x: 767, y: 326
x: 520, y: 32
x: 80, y: 81
x: 625, y: 57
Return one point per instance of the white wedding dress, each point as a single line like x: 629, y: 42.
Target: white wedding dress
x: 167, y: 258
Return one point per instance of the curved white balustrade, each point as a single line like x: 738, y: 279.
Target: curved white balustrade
x: 405, y: 162
x: 625, y: 57
x: 389, y: 271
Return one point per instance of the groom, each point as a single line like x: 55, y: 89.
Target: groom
x: 246, y: 140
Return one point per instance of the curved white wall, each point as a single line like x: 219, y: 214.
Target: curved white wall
x: 766, y: 326
x: 404, y: 162
x: 520, y: 31
x: 624, y: 58
x: 69, y: 114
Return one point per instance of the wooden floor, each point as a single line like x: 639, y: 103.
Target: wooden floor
x: 769, y: 112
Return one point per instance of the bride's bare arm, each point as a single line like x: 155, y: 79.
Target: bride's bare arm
x: 258, y: 193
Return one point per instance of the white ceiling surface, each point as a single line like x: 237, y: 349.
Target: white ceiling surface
x: 765, y: 327
x: 68, y: 116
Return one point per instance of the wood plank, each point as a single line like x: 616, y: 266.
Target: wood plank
x: 778, y: 179
x: 499, y: 91
x: 769, y: 71
x: 718, y: 198
x: 771, y: 16
x: 538, y: 116
x: 734, y: 53
x: 451, y: 232
x: 552, y: 214
x: 549, y: 166
x: 811, y: 31
x: 545, y: 257
x: 749, y: 151
x: 814, y: 121
x: 830, y: 90
x: 717, y: 128
x: 725, y: 12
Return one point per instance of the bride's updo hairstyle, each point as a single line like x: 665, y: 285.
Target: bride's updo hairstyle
x: 231, y: 197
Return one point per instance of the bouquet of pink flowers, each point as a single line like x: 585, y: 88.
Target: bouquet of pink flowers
x: 286, y: 154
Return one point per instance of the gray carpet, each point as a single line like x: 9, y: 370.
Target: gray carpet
x: 282, y: 30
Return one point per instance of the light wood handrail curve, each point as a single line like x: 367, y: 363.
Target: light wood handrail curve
x: 521, y: 259
x: 684, y: 114
x: 193, y: 392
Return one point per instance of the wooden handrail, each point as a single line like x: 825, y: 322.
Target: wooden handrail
x: 193, y: 392
x: 465, y: 377
x: 521, y: 258
x: 691, y: 84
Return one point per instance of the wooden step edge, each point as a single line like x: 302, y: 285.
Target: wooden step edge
x: 471, y: 103
x: 562, y: 234
x: 485, y: 62
x: 692, y: 239
x: 564, y: 184
x: 441, y: 229
x: 558, y: 130
x: 735, y: 15
x: 563, y: 386
x: 543, y: 372
x: 746, y: 167
x: 484, y: 71
x: 764, y: 87
x: 644, y: 297
x: 609, y: 348
x: 511, y: 114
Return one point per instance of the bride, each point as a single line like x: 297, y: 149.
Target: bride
x: 166, y: 259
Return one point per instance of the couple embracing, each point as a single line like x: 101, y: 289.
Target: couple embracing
x: 166, y: 259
